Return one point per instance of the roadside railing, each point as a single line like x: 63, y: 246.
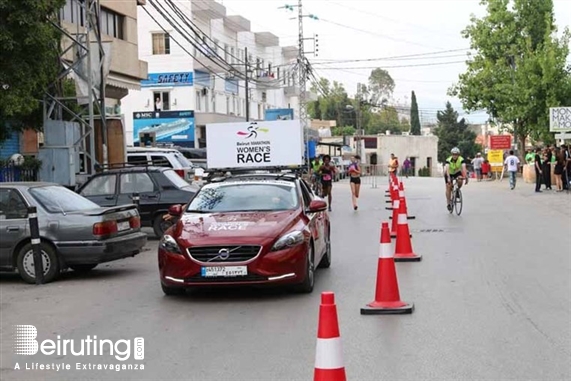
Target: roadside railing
x: 13, y: 173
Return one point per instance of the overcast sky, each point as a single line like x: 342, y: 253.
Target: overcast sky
x: 361, y: 29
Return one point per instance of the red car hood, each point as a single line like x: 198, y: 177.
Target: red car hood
x: 197, y: 229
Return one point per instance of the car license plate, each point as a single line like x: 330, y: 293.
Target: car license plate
x: 224, y: 271
x: 122, y: 226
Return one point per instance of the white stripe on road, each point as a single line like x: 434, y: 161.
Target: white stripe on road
x: 385, y: 251
x: 329, y: 354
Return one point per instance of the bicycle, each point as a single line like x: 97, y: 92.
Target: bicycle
x: 317, y: 186
x: 456, y: 201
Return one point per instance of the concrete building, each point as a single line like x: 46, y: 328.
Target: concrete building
x: 421, y: 150
x: 126, y: 70
x: 202, y: 80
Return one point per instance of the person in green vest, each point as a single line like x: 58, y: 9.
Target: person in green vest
x: 455, y: 168
x: 530, y: 157
x: 316, y: 164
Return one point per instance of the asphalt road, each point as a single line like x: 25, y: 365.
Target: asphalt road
x: 492, y: 297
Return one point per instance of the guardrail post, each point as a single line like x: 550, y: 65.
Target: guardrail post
x: 35, y: 235
x: 136, y: 199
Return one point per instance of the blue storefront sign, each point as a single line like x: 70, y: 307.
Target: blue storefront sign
x: 279, y: 114
x: 185, y: 78
x: 165, y: 126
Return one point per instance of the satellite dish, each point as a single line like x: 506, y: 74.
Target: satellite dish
x: 17, y: 159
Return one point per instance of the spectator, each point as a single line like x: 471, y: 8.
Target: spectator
x: 486, y: 169
x: 538, y: 170
x: 406, y: 166
x: 512, y: 164
x: 559, y: 169
x: 477, y: 163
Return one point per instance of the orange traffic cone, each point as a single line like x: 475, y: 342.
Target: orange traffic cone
x: 394, y: 196
x: 387, y: 296
x: 403, y: 246
x: 401, y: 194
x: 329, y: 364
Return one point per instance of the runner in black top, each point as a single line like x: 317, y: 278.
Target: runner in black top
x: 355, y: 180
x: 327, y: 171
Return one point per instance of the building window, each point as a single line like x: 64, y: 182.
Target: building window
x: 198, y: 101
x: 162, y: 100
x: 161, y: 43
x: 72, y: 12
x: 111, y: 23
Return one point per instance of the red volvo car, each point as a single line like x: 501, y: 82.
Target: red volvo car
x: 247, y: 229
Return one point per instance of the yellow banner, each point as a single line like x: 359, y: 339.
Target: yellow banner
x: 496, y: 156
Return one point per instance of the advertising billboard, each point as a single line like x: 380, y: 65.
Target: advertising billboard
x: 560, y: 119
x: 279, y: 114
x: 254, y: 144
x: 166, y: 126
x: 169, y: 79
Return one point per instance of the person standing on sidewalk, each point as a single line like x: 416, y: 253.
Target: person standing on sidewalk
x: 538, y: 171
x: 512, y: 165
x: 477, y: 163
x: 406, y: 167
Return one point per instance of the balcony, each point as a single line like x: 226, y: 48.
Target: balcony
x: 266, y: 79
x: 237, y: 23
x: 267, y: 39
x: 208, y: 9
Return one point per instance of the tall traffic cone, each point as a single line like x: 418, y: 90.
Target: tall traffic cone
x: 403, y: 246
x: 329, y: 364
x: 387, y: 296
x: 401, y: 194
x: 394, y: 196
x: 396, y: 208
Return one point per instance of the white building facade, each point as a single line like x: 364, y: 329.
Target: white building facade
x: 196, y: 57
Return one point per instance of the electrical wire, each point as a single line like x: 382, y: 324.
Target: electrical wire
x: 392, y: 67
x: 393, y: 58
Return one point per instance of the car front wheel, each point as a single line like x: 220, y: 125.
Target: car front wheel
x: 25, y: 263
x: 306, y: 286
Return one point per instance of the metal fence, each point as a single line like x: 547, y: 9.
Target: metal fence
x: 13, y: 173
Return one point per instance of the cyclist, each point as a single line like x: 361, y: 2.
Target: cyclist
x: 454, y: 167
x: 316, y: 164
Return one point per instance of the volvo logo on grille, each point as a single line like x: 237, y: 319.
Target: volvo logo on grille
x: 223, y: 254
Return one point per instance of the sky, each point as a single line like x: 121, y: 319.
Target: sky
x: 371, y: 29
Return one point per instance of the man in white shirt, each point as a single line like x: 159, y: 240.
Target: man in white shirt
x: 512, y: 165
x: 477, y: 163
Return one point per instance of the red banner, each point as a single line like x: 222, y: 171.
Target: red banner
x: 500, y: 142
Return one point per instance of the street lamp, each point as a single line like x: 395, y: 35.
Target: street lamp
x: 357, y: 125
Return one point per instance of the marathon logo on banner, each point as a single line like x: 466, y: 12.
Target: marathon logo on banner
x: 252, y: 150
x: 560, y: 119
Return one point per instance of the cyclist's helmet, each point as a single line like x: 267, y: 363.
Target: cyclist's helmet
x: 455, y: 151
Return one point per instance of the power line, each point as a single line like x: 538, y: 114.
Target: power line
x: 422, y: 56
x: 392, y: 67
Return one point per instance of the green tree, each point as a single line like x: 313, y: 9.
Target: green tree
x: 519, y: 70
x: 343, y: 131
x: 29, y: 61
x: 386, y: 119
x: 414, y: 117
x: 452, y: 132
x: 381, y: 86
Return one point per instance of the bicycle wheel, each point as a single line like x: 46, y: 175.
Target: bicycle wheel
x: 458, y: 202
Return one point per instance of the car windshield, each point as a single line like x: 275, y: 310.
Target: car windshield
x: 245, y: 198
x: 57, y: 199
x: 184, y: 162
x: 175, y: 179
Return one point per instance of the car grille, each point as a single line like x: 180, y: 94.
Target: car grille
x: 245, y: 278
x: 211, y: 254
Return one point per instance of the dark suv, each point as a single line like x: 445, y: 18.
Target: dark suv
x: 158, y: 189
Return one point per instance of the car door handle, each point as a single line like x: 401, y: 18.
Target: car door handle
x: 151, y: 196
x: 110, y: 197
x: 13, y: 228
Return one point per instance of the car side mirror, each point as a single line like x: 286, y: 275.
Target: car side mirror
x: 175, y: 210
x: 317, y: 206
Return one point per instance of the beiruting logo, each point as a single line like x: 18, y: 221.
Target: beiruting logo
x: 252, y: 131
x: 25, y: 343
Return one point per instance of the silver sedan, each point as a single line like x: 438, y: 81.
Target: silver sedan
x: 75, y: 232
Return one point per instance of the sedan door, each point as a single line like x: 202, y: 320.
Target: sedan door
x: 13, y: 223
x: 101, y: 189
x: 316, y: 222
x: 149, y: 194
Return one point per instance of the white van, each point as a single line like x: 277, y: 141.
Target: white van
x: 162, y: 157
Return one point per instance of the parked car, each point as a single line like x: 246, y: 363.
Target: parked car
x: 255, y: 229
x: 162, y: 157
x: 158, y: 189
x: 75, y: 232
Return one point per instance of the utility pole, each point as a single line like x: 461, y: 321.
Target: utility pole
x: 246, y: 85
x: 302, y: 84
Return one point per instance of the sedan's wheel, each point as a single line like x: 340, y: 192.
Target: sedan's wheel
x: 160, y: 225
x: 307, y: 285
x: 326, y: 259
x: 25, y: 263
x: 171, y: 291
x: 82, y: 268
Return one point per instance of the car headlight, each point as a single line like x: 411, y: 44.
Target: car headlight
x: 169, y: 244
x: 289, y: 240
